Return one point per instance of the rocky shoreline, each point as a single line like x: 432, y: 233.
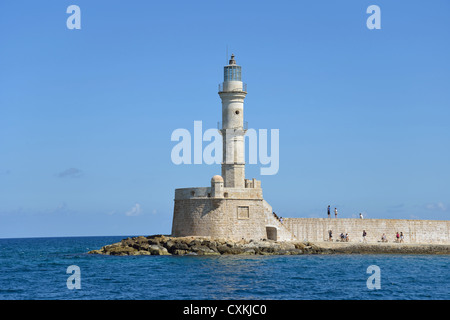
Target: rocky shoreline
x: 166, y: 245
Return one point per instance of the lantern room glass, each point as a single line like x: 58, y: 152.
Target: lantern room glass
x: 232, y: 73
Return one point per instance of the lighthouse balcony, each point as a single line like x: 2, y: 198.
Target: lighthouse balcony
x: 228, y: 88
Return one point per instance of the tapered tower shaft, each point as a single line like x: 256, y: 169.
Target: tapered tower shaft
x: 232, y: 92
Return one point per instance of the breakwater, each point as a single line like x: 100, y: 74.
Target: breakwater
x: 166, y: 245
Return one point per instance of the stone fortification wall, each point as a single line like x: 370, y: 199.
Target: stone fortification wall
x: 244, y: 215
x: 414, y: 231
x: 220, y: 218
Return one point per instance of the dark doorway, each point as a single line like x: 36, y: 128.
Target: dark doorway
x: 271, y: 233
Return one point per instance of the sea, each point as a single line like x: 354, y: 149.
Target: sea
x: 60, y: 269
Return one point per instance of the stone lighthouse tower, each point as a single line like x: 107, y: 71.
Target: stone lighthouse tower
x: 231, y: 207
x: 232, y: 92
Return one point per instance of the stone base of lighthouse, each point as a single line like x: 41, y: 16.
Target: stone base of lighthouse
x: 230, y: 213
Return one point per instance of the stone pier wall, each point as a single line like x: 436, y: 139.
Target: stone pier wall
x: 414, y: 231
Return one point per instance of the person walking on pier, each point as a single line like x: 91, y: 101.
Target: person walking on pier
x: 328, y: 211
x: 335, y: 212
x: 364, y: 236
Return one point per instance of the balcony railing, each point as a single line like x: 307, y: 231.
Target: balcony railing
x: 244, y: 88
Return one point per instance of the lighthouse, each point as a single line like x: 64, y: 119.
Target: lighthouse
x: 231, y: 206
x: 232, y: 128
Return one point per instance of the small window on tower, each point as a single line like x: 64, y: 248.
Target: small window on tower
x: 237, y: 112
x: 243, y: 213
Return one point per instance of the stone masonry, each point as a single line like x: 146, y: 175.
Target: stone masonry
x: 414, y: 231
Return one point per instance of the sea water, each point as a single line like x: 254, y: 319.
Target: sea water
x: 36, y: 268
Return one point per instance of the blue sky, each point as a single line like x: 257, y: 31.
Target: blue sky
x: 86, y: 115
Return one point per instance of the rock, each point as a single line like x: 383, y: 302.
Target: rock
x: 296, y: 251
x: 181, y: 246
x: 163, y: 245
x: 203, y: 250
x: 250, y: 251
x: 142, y: 253
x: 224, y: 249
x: 95, y: 252
x: 121, y: 251
x: 288, y: 246
x: 127, y: 242
x: 195, y: 243
x: 298, y: 245
x: 141, y: 239
x: 267, y: 250
x: 158, y: 250
x: 169, y: 244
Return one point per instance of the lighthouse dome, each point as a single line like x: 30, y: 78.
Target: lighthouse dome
x: 217, y: 178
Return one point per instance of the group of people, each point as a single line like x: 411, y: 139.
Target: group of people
x: 336, y: 213
x: 344, y: 237
x: 329, y: 212
x: 398, y: 237
x: 279, y: 218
